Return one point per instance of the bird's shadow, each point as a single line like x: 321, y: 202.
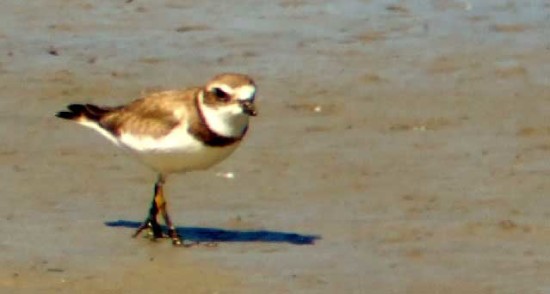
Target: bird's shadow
x: 197, y: 234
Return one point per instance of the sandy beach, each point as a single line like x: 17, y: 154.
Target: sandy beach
x: 399, y: 148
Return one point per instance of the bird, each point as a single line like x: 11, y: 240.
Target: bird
x: 175, y: 131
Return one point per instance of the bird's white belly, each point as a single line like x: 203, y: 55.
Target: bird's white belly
x: 176, y: 152
x: 182, y: 161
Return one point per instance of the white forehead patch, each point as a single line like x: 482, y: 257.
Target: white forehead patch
x: 245, y: 92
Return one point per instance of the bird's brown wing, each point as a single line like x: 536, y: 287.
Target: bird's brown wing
x: 155, y: 115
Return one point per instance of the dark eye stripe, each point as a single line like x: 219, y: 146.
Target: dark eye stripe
x: 221, y: 95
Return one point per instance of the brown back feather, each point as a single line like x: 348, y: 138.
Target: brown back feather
x: 142, y: 117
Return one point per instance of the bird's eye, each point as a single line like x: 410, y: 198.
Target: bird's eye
x: 221, y: 95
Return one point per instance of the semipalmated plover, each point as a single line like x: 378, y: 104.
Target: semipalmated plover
x: 175, y: 131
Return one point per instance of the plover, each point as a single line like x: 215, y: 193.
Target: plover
x: 175, y: 132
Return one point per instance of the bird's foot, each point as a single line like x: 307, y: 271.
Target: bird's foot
x: 176, y: 238
x: 154, y: 230
x: 178, y: 241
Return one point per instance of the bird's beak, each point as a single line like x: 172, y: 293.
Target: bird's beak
x: 249, y: 107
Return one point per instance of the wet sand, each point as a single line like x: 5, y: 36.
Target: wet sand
x: 400, y: 148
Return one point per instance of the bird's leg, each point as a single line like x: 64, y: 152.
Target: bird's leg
x: 161, y: 204
x: 151, y: 220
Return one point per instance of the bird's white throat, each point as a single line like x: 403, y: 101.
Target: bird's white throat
x: 227, y: 120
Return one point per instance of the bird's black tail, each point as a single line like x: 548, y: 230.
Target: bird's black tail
x: 84, y: 111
